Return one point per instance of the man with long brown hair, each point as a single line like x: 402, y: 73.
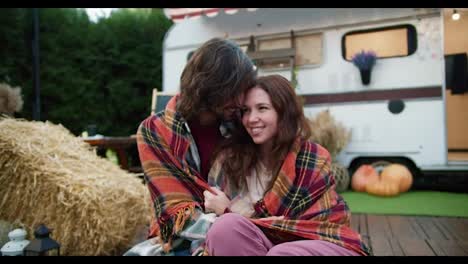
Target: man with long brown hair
x: 176, y: 145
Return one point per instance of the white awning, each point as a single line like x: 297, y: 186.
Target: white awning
x: 179, y: 14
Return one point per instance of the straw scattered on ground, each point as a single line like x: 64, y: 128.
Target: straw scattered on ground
x: 47, y: 175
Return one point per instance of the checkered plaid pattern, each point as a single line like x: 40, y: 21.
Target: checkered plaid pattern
x: 304, y: 192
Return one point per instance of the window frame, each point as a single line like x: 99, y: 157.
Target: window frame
x: 296, y: 34
x: 412, y: 39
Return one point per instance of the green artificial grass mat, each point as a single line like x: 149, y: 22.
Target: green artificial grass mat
x: 423, y: 203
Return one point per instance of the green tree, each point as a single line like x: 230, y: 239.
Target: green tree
x: 91, y: 73
x: 129, y: 44
x: 15, y: 51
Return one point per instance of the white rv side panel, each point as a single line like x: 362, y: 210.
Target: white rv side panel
x: 191, y: 33
x: 264, y: 21
x: 416, y: 133
x: 376, y: 132
x: 338, y: 75
x: 174, y: 63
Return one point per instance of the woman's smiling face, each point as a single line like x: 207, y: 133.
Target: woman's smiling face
x: 259, y: 117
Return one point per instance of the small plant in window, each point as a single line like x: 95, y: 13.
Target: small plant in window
x: 364, y: 61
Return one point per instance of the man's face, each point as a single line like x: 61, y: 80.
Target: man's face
x: 231, y: 109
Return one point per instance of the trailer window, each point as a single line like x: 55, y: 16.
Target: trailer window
x: 387, y: 42
x: 272, y: 45
x: 308, y: 50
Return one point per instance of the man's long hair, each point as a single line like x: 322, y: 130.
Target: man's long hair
x: 216, y: 73
x: 242, y: 154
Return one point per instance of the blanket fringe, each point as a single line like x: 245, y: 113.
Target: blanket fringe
x: 174, y: 224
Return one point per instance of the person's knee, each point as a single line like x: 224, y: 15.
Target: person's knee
x: 293, y: 249
x: 235, y: 235
x: 279, y: 250
x: 225, y: 226
x: 309, y: 248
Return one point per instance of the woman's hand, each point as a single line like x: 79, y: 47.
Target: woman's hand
x: 216, y: 203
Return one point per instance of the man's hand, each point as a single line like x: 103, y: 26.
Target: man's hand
x: 216, y: 203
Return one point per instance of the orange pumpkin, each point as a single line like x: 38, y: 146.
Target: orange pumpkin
x: 381, y: 187
x: 399, y: 174
x: 363, y: 175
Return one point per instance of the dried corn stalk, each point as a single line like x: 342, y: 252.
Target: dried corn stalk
x: 329, y: 133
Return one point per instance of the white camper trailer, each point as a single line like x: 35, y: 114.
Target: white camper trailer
x: 401, y: 115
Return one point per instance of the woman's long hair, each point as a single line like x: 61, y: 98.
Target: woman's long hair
x: 241, y: 154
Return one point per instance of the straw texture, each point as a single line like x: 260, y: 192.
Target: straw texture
x: 47, y: 175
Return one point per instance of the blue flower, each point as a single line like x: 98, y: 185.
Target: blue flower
x: 364, y: 60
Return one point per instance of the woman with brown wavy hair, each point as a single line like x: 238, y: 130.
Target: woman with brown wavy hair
x: 274, y: 191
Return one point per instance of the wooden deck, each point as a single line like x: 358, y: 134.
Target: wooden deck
x: 391, y: 235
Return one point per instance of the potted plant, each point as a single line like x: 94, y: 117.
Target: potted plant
x: 364, y: 61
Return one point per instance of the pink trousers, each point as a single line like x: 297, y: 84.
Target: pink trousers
x: 234, y: 235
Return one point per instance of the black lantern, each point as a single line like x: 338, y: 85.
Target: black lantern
x: 42, y: 244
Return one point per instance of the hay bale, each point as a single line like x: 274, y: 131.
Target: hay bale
x: 47, y: 175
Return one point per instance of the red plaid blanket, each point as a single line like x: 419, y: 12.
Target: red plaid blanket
x: 176, y: 186
x: 303, y: 192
